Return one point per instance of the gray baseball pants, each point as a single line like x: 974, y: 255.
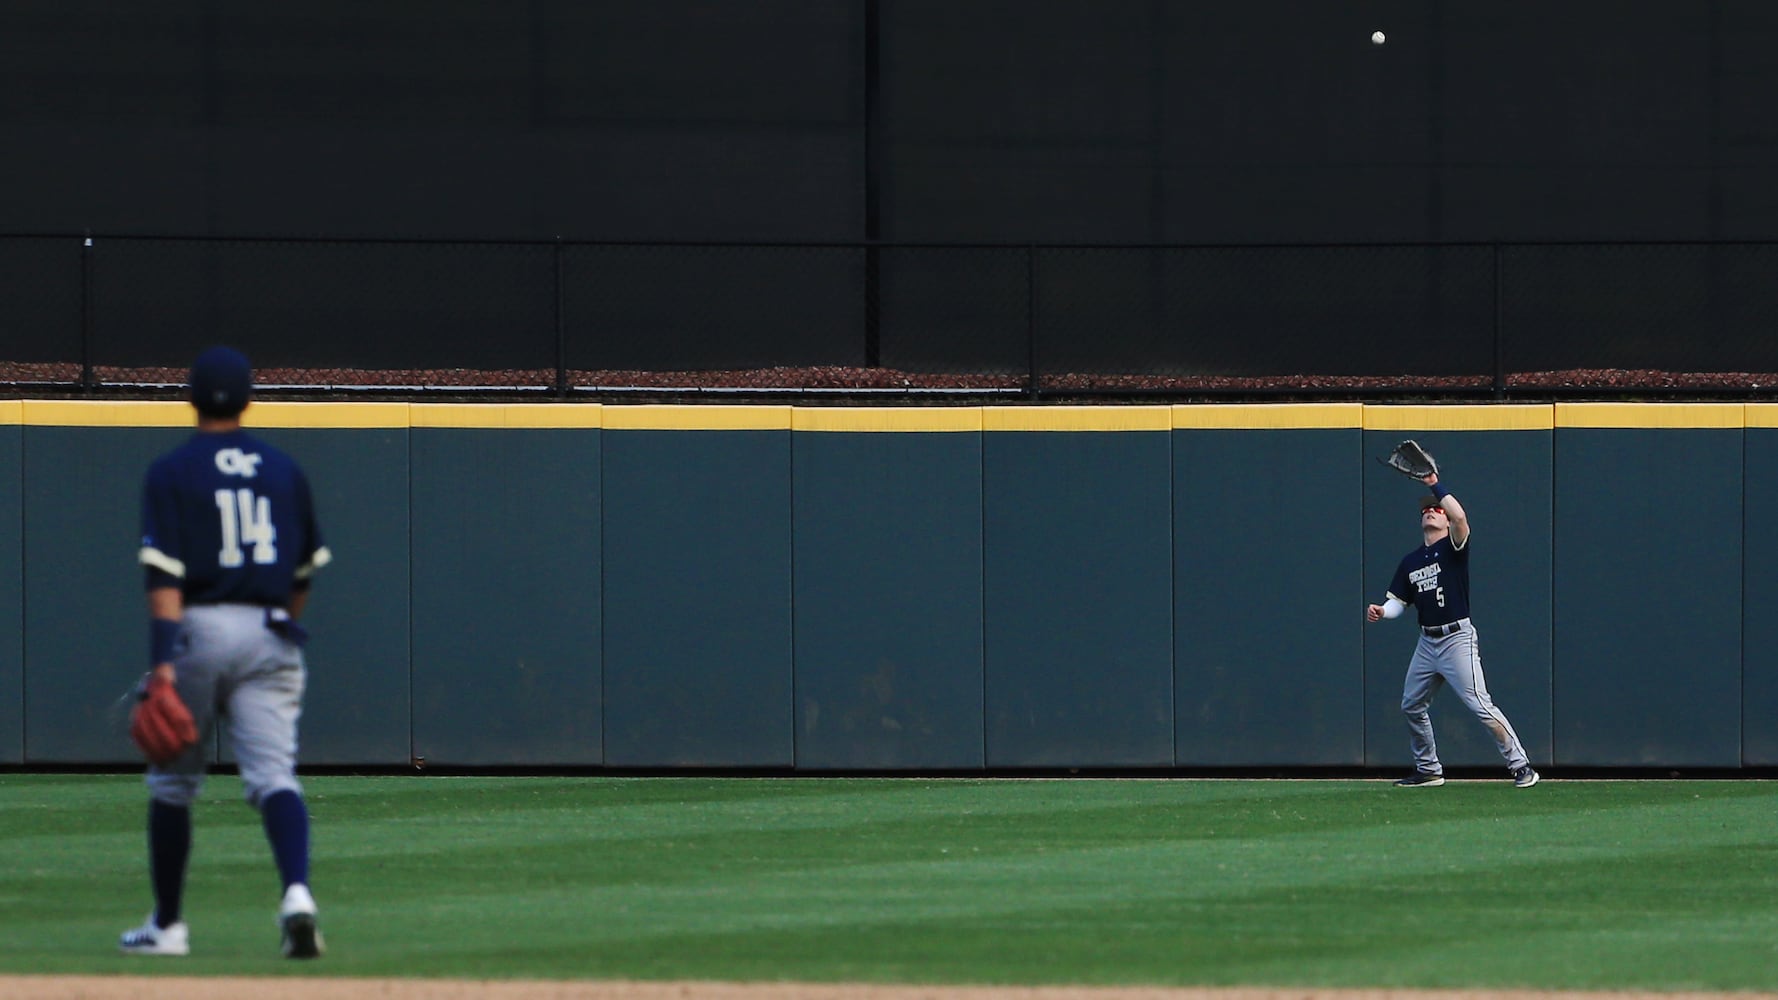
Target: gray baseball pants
x: 1455, y: 659
x: 235, y: 668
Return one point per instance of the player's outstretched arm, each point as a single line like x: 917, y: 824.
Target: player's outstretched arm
x: 1454, y: 513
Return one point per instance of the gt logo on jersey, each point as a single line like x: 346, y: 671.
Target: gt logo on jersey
x: 235, y: 462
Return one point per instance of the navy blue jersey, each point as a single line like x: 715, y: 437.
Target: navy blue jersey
x: 227, y: 518
x: 1435, y: 580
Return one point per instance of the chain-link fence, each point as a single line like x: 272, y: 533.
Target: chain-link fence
x: 1275, y: 313
x: 1709, y: 307
x: 579, y: 318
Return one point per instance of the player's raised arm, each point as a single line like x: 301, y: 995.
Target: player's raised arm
x: 1454, y: 513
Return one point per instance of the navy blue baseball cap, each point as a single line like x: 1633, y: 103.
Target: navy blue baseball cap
x: 221, y: 382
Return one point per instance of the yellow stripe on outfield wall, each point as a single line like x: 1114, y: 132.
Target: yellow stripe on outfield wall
x: 1651, y: 415
x: 1266, y: 416
x: 1371, y: 416
x: 506, y: 415
x: 110, y: 413
x: 1077, y: 418
x: 106, y: 413
x: 1762, y: 415
x: 697, y: 418
x: 324, y: 415
x: 875, y: 419
x: 1459, y: 417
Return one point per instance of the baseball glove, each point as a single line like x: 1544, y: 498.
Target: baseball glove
x: 1409, y: 459
x: 160, y: 723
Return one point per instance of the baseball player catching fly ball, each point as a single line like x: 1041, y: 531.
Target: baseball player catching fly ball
x: 1434, y: 578
x: 229, y: 541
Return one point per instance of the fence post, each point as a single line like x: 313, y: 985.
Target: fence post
x: 873, y: 314
x: 561, y: 328
x: 87, y: 382
x: 873, y: 184
x: 1031, y: 388
x: 1499, y: 351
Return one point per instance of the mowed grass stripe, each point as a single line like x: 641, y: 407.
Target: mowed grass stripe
x: 1595, y: 884
x: 869, y: 896
x: 1076, y: 888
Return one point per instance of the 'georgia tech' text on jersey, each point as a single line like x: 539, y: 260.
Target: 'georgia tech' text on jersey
x: 1435, y: 580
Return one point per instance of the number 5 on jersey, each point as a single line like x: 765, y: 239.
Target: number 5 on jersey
x: 246, y: 520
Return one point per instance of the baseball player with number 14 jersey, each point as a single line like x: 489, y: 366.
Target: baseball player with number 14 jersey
x: 229, y: 541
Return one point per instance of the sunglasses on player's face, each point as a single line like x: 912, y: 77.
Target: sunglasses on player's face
x: 1435, y: 510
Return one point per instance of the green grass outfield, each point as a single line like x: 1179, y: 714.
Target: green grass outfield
x: 1580, y: 884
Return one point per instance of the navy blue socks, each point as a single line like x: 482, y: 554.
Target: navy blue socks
x: 287, y: 827
x: 169, y: 847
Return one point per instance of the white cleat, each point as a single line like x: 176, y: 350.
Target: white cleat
x: 297, y: 923
x: 151, y: 940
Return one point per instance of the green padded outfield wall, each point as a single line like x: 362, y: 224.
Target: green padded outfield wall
x: 12, y: 584
x: 1648, y: 596
x: 1267, y: 647
x: 506, y: 511
x: 697, y: 587
x: 1759, y: 632
x: 85, y: 623
x: 888, y: 589
x: 358, y: 706
x: 86, y: 617
x: 1077, y: 579
x: 826, y: 589
x: 1496, y: 460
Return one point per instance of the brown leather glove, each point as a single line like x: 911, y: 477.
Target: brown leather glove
x: 160, y: 723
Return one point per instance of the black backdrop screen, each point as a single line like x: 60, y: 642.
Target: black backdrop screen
x: 1218, y: 187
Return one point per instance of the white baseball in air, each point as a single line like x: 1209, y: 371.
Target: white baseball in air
x: 1377, y: 38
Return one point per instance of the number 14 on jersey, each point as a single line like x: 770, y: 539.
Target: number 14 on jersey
x: 246, y: 521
